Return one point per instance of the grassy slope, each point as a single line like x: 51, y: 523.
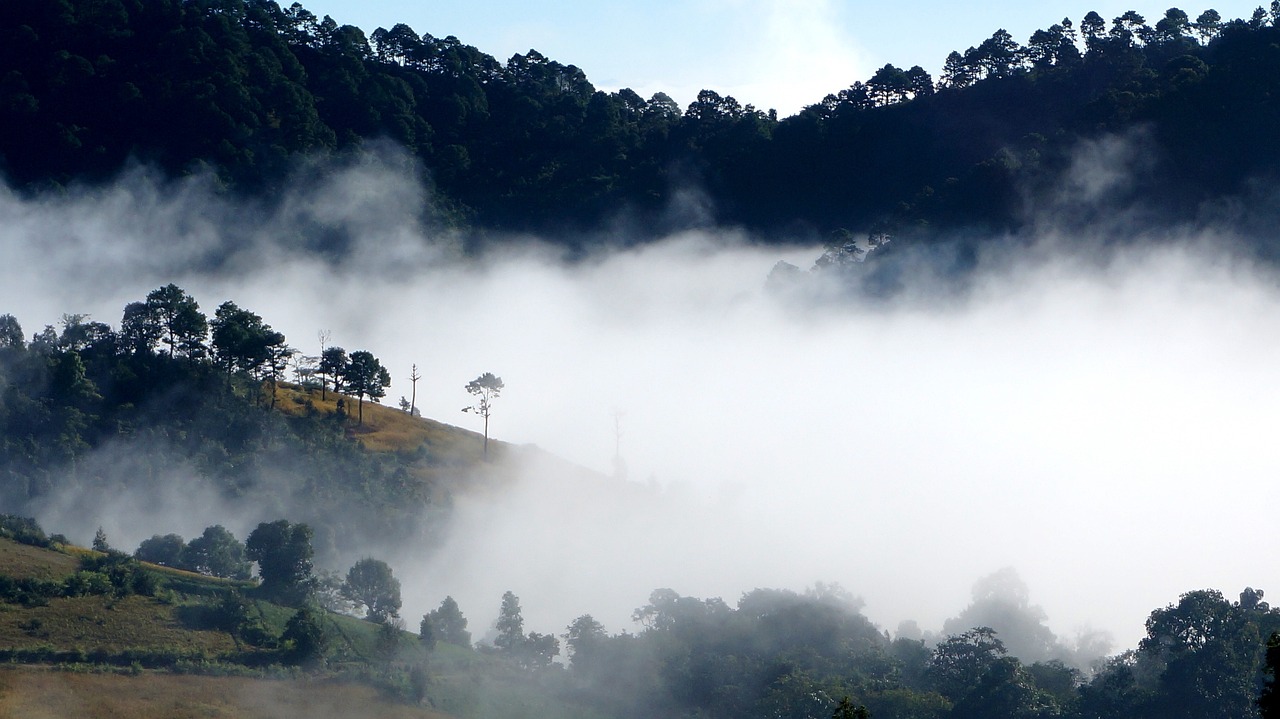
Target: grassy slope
x: 446, y: 459
x: 38, y: 693
x: 463, y: 683
x: 392, y: 430
x: 98, y: 637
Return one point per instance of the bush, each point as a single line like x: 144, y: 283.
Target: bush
x: 23, y: 529
x: 84, y: 583
x: 305, y: 640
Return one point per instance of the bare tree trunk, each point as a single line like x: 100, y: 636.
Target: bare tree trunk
x: 413, y: 396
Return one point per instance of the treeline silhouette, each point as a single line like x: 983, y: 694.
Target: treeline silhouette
x: 243, y: 88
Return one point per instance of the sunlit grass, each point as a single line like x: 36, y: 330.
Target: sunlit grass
x: 22, y: 561
x: 391, y: 430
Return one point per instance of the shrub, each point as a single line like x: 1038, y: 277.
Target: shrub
x: 23, y: 529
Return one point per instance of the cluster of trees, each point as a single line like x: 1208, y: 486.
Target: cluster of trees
x: 776, y: 653
x: 246, y: 86
x: 216, y: 553
x: 179, y: 398
x: 784, y: 654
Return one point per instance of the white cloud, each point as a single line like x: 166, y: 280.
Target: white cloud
x: 1101, y: 426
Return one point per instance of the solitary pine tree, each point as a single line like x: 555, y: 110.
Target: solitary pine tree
x: 510, y: 624
x: 487, y: 387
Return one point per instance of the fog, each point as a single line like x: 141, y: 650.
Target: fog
x: 1100, y: 422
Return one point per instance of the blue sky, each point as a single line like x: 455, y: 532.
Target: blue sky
x: 770, y: 53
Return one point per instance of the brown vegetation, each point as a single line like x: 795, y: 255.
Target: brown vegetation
x: 43, y: 694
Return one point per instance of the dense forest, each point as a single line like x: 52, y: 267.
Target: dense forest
x: 244, y: 88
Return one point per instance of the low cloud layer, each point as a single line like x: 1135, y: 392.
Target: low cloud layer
x: 1100, y: 423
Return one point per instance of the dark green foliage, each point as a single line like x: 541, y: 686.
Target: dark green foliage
x: 446, y: 624
x: 247, y: 88
x: 847, y: 710
x: 125, y: 575
x: 960, y: 662
x: 1210, y: 652
x: 30, y: 592
x: 305, y: 639
x: 23, y: 529
x: 89, y: 388
x: 364, y: 376
x: 1269, y: 701
x: 218, y: 553
x: 283, y: 553
x: 370, y: 584
x: 168, y: 550
x: 510, y: 624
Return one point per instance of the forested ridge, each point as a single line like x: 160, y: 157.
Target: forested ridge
x: 172, y: 408
x: 245, y: 87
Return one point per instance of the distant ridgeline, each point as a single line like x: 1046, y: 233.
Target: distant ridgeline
x: 177, y: 416
x: 1004, y: 140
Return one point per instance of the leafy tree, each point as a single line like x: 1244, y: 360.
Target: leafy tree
x: 956, y: 72
x: 1208, y: 24
x: 139, y: 331
x: 510, y: 624
x: 304, y: 640
x: 888, y: 85
x: 366, y: 377
x: 584, y: 637
x: 487, y: 388
x: 1003, y: 690
x: 1211, y: 651
x: 1173, y: 26
x: 11, y: 336
x: 960, y: 662
x: 371, y: 584
x: 283, y: 553
x: 538, y: 651
x: 218, y: 553
x: 1094, y: 29
x: 178, y: 321
x: 100, y: 541
x: 241, y: 340
x: 1001, y: 602
x: 333, y: 365
x: 168, y: 550
x: 448, y: 624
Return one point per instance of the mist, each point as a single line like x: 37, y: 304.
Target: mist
x: 1098, y: 421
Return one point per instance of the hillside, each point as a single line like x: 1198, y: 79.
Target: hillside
x: 94, y: 416
x: 169, y: 653
x: 37, y: 692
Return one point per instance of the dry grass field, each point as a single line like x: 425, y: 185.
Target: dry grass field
x: 22, y: 561
x: 34, y: 693
x: 110, y: 625
x: 386, y: 429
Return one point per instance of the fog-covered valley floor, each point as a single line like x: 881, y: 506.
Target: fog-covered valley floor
x: 1101, y: 423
